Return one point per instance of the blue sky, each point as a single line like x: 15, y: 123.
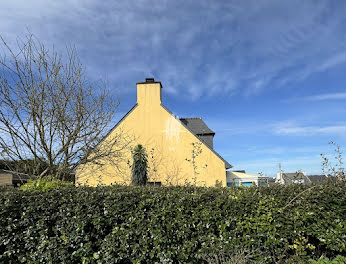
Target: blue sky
x: 267, y: 76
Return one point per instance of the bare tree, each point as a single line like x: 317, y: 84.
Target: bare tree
x: 195, y: 152
x: 174, y: 173
x: 50, y: 113
x: 335, y: 169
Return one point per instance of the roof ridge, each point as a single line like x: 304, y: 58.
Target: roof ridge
x: 190, y: 117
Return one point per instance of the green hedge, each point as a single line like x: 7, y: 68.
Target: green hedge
x: 171, y: 224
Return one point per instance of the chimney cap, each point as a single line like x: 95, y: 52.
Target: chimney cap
x: 150, y: 80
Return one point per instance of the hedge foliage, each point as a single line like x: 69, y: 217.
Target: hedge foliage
x: 42, y: 185
x: 121, y: 224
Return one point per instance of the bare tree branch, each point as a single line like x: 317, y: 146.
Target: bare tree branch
x: 50, y: 113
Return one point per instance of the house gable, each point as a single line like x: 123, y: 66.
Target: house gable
x: 165, y: 138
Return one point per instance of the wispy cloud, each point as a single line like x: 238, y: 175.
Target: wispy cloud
x: 279, y: 150
x: 320, y: 97
x: 287, y: 129
x: 277, y: 128
x: 198, y: 48
x: 335, y: 60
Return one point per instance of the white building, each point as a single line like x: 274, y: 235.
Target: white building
x: 287, y: 178
x: 235, y: 178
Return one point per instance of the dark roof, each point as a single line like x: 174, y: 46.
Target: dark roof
x: 16, y: 176
x: 242, y: 171
x: 320, y: 179
x: 197, y: 126
x: 291, y: 177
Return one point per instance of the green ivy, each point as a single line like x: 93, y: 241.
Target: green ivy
x: 129, y: 224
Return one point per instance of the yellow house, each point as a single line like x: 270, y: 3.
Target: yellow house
x: 179, y: 151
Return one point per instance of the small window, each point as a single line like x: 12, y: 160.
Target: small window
x: 246, y: 184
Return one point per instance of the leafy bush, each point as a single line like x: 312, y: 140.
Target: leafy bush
x: 119, y: 224
x: 44, y: 185
x: 338, y: 260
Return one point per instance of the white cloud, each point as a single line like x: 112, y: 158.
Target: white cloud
x: 300, y: 127
x: 333, y: 61
x: 288, y: 129
x: 279, y: 150
x: 324, y: 97
x: 199, y: 48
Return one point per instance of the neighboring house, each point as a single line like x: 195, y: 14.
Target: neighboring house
x: 169, y: 142
x: 321, y: 179
x: 240, y: 178
x: 12, y: 178
x: 271, y: 181
x: 288, y: 178
x: 300, y: 177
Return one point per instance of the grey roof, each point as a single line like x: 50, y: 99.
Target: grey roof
x: 320, y: 179
x: 295, y: 177
x: 197, y: 126
x: 241, y: 171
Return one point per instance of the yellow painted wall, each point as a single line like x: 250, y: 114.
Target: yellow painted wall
x: 167, y: 142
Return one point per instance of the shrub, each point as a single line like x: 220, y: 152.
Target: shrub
x: 338, y: 260
x: 129, y: 224
x: 44, y: 185
x: 139, y: 166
